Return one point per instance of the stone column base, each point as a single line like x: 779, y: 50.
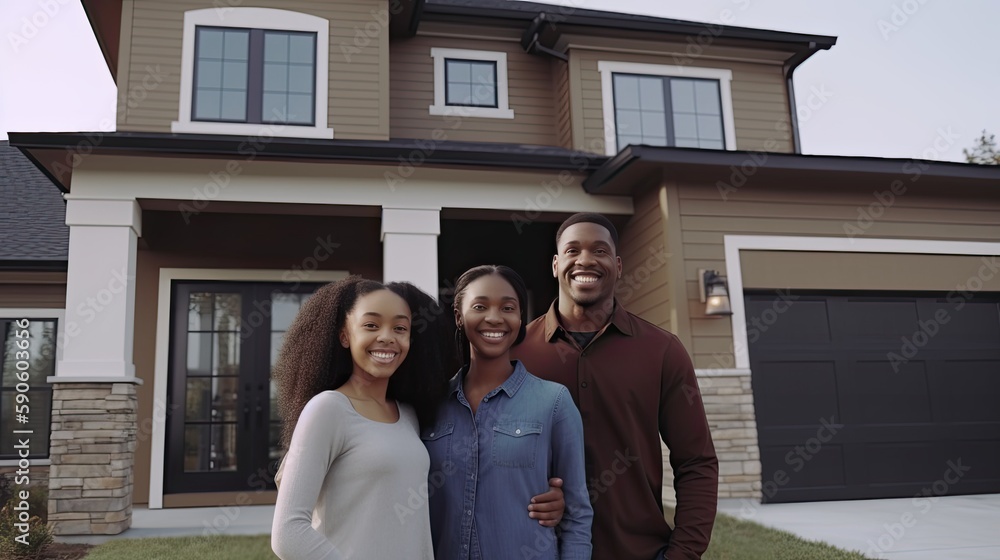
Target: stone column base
x: 92, y: 454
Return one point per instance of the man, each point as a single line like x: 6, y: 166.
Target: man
x: 633, y: 383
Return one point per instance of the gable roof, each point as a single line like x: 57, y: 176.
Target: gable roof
x: 32, y: 215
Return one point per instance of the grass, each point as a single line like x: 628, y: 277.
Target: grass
x: 732, y: 539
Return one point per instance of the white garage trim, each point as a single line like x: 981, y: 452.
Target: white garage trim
x: 736, y: 243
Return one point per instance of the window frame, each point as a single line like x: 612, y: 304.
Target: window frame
x: 608, y: 69
x: 265, y: 19
x: 39, y: 314
x: 440, y: 106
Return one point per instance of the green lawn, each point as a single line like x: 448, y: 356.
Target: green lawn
x: 732, y: 540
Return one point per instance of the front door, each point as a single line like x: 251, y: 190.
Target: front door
x: 223, y: 428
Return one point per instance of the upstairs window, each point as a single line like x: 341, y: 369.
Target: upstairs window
x: 666, y: 106
x: 470, y: 84
x: 254, y: 71
x: 254, y: 76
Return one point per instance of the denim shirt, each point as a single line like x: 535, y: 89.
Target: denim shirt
x: 486, y: 467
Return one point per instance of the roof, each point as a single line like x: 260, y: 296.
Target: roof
x: 527, y: 11
x: 729, y: 169
x: 32, y: 215
x: 49, y: 150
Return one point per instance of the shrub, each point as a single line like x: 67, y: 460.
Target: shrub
x: 38, y: 536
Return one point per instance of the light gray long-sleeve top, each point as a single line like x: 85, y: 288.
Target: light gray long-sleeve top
x: 352, y: 488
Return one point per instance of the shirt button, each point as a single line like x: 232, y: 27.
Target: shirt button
x: 584, y: 385
x: 432, y: 434
x: 486, y: 399
x: 517, y: 431
x: 469, y: 512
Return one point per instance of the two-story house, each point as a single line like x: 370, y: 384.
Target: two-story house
x: 264, y: 147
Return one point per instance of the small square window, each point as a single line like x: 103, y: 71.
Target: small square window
x: 470, y: 84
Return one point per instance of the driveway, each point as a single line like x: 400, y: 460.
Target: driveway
x: 951, y: 528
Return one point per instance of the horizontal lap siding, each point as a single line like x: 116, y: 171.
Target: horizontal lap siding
x: 358, y: 80
x: 530, y: 92
x: 760, y: 103
x: 643, y: 288
x: 706, y: 218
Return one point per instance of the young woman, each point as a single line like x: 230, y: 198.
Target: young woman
x: 354, y: 378
x: 356, y: 375
x: 499, y: 436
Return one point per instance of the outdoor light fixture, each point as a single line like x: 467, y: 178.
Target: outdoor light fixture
x: 714, y: 293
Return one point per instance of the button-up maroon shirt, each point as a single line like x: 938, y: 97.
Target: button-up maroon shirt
x: 633, y: 384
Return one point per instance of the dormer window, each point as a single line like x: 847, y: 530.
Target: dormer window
x: 254, y: 71
x: 470, y: 84
x: 658, y: 105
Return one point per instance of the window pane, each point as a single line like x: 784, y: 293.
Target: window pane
x: 224, y: 398
x: 276, y: 47
x: 654, y: 124
x: 237, y: 45
x: 709, y: 127
x: 629, y: 123
x: 208, y: 104
x: 273, y: 108
x: 275, y: 78
x: 711, y: 144
x: 707, y: 97
x: 685, y: 126
x: 483, y: 74
x: 39, y: 421
x: 624, y: 141
x: 198, y: 399
x: 228, y: 310
x: 299, y: 108
x: 459, y: 94
x: 284, y: 307
x: 210, y: 43
x: 302, y: 49
x: 209, y: 74
x: 300, y: 79
x: 682, y: 96
x: 226, y: 354
x: 197, y: 447
x: 234, y: 106
x: 199, y: 354
x: 484, y: 96
x: 459, y: 72
x: 234, y: 76
x: 651, y: 94
x: 223, y: 447
x: 686, y: 142
x: 40, y: 358
x: 626, y: 92
x: 200, y: 311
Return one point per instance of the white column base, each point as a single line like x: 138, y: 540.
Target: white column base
x: 409, y: 247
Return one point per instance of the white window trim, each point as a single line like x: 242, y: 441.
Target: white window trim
x: 256, y: 18
x: 501, y: 111
x: 608, y: 68
x: 158, y: 449
x: 36, y: 313
x: 734, y: 272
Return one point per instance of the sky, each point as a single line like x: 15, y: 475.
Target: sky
x: 907, y: 78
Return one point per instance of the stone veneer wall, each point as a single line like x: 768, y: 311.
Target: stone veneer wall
x: 92, y: 455
x: 729, y: 407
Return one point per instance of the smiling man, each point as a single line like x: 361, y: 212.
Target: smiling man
x: 634, y: 384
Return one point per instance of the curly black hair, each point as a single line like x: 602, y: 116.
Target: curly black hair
x: 312, y: 360
x: 474, y: 273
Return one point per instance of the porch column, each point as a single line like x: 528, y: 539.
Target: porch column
x: 409, y: 247
x: 94, y: 399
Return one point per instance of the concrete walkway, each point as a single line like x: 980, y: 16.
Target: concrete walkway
x: 187, y: 522
x: 944, y: 528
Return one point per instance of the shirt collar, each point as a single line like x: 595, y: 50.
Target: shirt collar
x: 510, y: 386
x: 620, y: 320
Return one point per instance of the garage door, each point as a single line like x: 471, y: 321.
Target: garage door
x: 875, y: 396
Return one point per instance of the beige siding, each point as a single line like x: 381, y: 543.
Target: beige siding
x: 561, y: 102
x: 917, y: 214
x: 151, y: 45
x: 760, y: 102
x: 31, y: 290
x: 412, y: 93
x: 643, y: 286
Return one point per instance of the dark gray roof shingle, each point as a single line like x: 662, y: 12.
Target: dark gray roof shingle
x: 32, y: 212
